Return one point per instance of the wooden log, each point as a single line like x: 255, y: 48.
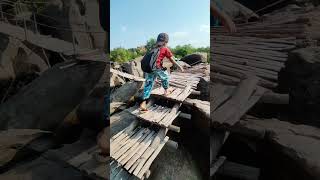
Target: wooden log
x: 126, y: 75
x: 174, y: 128
x: 185, y: 115
x: 232, y: 69
x: 274, y: 98
x: 172, y: 144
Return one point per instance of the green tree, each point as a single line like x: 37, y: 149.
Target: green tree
x: 150, y: 44
x: 181, y: 51
x: 120, y: 55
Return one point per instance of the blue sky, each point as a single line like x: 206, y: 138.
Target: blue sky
x: 133, y: 22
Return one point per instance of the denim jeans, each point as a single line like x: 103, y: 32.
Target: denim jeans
x: 151, y: 77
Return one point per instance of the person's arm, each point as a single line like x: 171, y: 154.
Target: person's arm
x: 173, y: 61
x: 226, y: 20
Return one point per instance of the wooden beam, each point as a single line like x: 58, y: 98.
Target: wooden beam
x: 214, y: 168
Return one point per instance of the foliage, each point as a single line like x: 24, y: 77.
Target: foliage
x: 124, y: 55
x: 150, y: 44
x: 181, y: 51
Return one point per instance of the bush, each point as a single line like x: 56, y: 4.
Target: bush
x: 123, y: 55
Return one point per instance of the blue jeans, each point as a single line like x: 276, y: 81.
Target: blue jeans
x: 151, y: 77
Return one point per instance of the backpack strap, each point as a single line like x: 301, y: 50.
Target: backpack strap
x: 154, y: 57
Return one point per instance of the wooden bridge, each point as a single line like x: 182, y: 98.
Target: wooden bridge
x: 135, y: 148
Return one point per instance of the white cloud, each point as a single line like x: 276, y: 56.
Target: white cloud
x: 205, y: 28
x: 123, y: 28
x: 180, y: 34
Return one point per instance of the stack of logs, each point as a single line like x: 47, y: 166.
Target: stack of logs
x: 261, y: 47
x: 234, y: 57
x: 291, y: 21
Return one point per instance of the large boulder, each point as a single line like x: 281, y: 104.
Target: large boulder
x: 195, y: 58
x: 133, y: 67
x: 301, y: 78
x: 45, y: 102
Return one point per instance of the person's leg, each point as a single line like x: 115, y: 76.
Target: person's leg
x: 150, y: 77
x: 164, y: 77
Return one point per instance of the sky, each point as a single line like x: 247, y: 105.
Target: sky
x: 134, y: 22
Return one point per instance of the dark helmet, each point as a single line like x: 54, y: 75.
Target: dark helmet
x: 163, y: 37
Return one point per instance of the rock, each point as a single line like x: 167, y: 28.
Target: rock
x: 177, y: 164
x: 126, y: 92
x: 8, y: 51
x: 13, y: 140
x: 115, y: 80
x: 204, y: 88
x: 195, y: 58
x: 45, y: 102
x: 301, y: 78
x: 292, y: 148
x: 91, y: 110
x: 133, y: 67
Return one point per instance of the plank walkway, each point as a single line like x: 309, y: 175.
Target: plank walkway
x: 182, y: 80
x: 177, y: 94
x: 134, y: 150
x: 156, y: 114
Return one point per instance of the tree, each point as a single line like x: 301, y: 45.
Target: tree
x: 181, y: 51
x: 150, y: 44
x: 119, y: 55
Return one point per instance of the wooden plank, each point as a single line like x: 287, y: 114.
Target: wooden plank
x: 126, y: 75
x: 147, y: 165
x: 154, y: 145
x: 214, y: 168
x: 230, y: 109
x: 134, y: 150
x: 129, y: 142
x: 139, y: 153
